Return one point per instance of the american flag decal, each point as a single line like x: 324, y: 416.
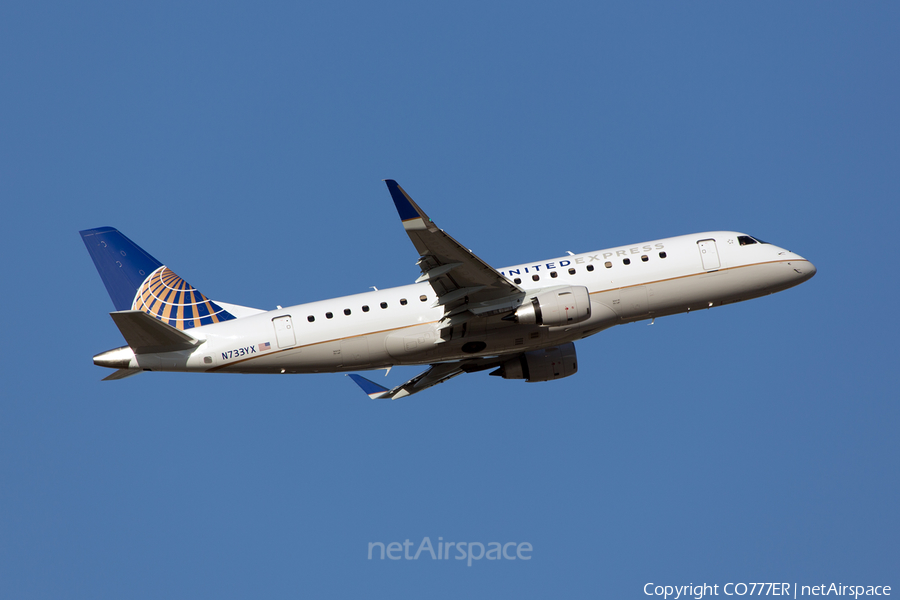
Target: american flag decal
x: 265, y: 346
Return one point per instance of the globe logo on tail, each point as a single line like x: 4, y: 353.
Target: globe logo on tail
x: 174, y: 301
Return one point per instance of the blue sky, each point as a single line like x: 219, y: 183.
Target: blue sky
x: 244, y: 146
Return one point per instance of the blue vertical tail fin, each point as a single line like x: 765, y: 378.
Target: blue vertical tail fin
x: 137, y: 281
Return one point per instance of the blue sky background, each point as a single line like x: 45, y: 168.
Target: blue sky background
x: 244, y: 146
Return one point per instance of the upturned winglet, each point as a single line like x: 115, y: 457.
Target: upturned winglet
x: 372, y: 389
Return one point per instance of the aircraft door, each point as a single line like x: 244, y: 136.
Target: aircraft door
x: 709, y: 254
x: 284, y: 331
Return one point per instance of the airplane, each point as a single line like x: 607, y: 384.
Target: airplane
x: 460, y: 316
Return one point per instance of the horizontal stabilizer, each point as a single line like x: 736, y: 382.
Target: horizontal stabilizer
x: 147, y: 334
x: 121, y: 374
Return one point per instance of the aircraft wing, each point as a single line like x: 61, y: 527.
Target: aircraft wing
x: 435, y: 374
x: 458, y: 277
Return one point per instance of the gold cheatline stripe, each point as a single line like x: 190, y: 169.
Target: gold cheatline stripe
x: 317, y: 343
x: 768, y: 262
x: 430, y: 322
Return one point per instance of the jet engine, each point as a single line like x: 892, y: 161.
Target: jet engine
x: 561, y: 306
x: 541, y: 365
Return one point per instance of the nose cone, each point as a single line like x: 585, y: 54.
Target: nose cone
x: 804, y: 269
x: 800, y: 269
x: 811, y: 268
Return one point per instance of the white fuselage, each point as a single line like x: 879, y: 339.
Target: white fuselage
x: 401, y: 325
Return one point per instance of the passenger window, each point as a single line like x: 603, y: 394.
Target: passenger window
x: 402, y: 301
x: 571, y: 271
x: 590, y: 267
x: 535, y: 277
x: 554, y: 274
x: 423, y: 297
x: 328, y: 315
x: 608, y: 265
x: 310, y: 318
x: 645, y: 258
x: 662, y: 254
x: 626, y: 261
x: 383, y: 305
x: 347, y: 311
x: 365, y: 308
x: 517, y: 281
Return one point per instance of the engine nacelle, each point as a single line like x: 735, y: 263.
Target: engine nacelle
x: 562, y: 306
x: 541, y: 365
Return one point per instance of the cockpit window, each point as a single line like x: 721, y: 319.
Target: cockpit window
x: 746, y: 240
